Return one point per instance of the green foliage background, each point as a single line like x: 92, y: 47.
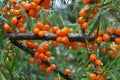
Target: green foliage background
x: 14, y: 63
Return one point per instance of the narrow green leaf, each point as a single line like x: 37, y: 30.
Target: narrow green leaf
x: 19, y: 69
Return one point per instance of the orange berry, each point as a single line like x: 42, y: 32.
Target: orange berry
x: 54, y: 43
x: 58, y: 33
x: 110, y: 30
x: 39, y: 25
x: 41, y: 56
x: 114, y: 47
x: 38, y: 7
x: 99, y: 33
x: 37, y: 1
x: 80, y: 20
x: 39, y: 61
x: 36, y: 31
x: 19, y: 25
x: 42, y: 67
x: 117, y: 31
x: 27, y: 6
x: 33, y: 5
x: 84, y: 25
x: 96, y: 10
x: 31, y: 13
x: 22, y: 30
x: 22, y: 20
x: 32, y: 61
x: 67, y: 71
x: 64, y: 31
x: 48, y: 54
x: 92, y: 57
x: 45, y: 59
x: 103, y: 50
x: 86, y: 2
x: 82, y: 13
x: 92, y: 15
x: 98, y: 62
x: 36, y: 45
x: 17, y: 12
x: 117, y: 40
x: 48, y: 70
x: 82, y: 44
x: 53, y: 66
x: 89, y: 66
x: 17, y: 6
x: 36, y: 54
x: 74, y: 46
x: 10, y: 29
x: 14, y: 20
x: 4, y: 9
x: 40, y: 50
x: 65, y: 40
x: 100, y: 77
x: 106, y: 37
x: 12, y: 2
x: 58, y: 39
x: 46, y: 27
x: 56, y: 79
x: 41, y: 33
x: 111, y: 53
x: 6, y: 27
x: 29, y: 44
x: 46, y: 46
x: 55, y: 28
x: 93, y: 76
x: 99, y: 40
x: 92, y: 46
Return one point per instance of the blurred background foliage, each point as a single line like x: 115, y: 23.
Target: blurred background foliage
x: 14, y: 63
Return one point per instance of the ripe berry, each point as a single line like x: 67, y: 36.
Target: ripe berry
x: 117, y: 40
x: 67, y: 71
x: 42, y: 67
x: 110, y: 30
x: 84, y: 25
x: 99, y: 40
x: 106, y: 37
x: 39, y: 25
x: 36, y: 31
x: 53, y: 66
x: 92, y: 57
x: 32, y: 61
x: 111, y: 53
x: 117, y: 31
x: 80, y: 20
x: 82, y: 13
x: 48, y: 70
x: 98, y: 62
x: 93, y: 76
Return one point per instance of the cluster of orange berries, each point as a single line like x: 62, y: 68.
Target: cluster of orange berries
x: 31, y: 9
x: 62, y: 37
x: 83, y: 21
x: 106, y: 37
x: 41, y: 29
x: 97, y: 76
x: 93, y: 59
x: 41, y: 55
x: 96, y: 63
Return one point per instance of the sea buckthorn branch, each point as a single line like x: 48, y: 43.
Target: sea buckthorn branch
x: 50, y: 36
x: 31, y: 52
